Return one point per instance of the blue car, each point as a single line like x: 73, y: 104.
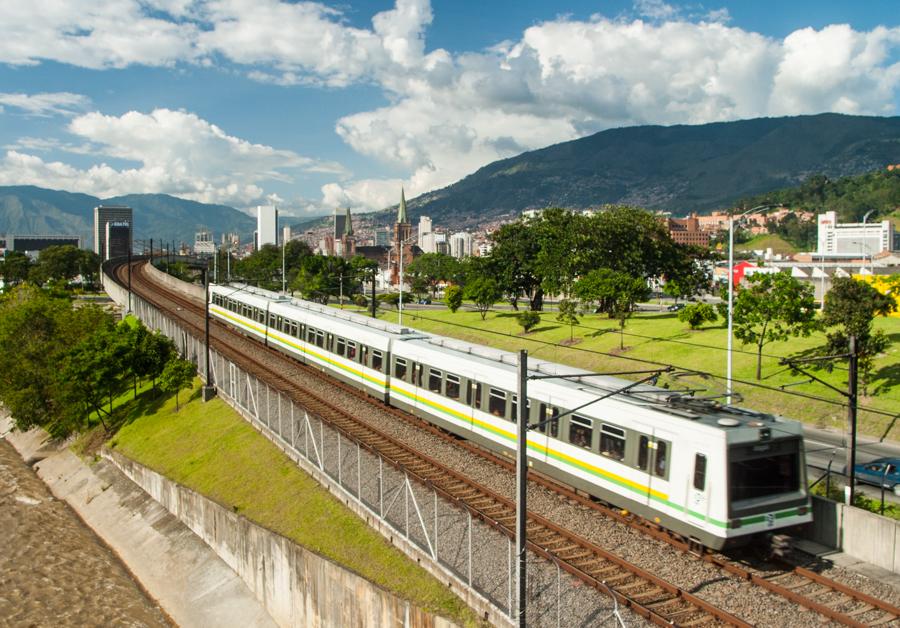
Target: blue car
x: 883, y: 471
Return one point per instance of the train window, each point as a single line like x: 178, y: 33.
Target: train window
x: 399, y: 368
x: 643, y: 452
x: 660, y: 462
x: 351, y: 350
x: 548, y: 416
x: 477, y: 395
x: 310, y: 335
x: 417, y: 374
x: 612, y: 441
x: 272, y: 321
x: 376, y: 360
x: 700, y: 472
x: 581, y: 431
x: 320, y: 339
x: 341, y: 346
x: 434, y: 380
x: 497, y: 403
x: 452, y: 386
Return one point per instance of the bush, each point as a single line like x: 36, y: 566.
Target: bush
x: 453, y: 297
x: 390, y: 298
x: 528, y: 320
x: 360, y: 300
x: 695, y: 314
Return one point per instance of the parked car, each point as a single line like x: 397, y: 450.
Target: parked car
x: 883, y: 471
x: 675, y: 307
x: 425, y: 301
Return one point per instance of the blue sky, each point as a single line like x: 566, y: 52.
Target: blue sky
x: 316, y: 105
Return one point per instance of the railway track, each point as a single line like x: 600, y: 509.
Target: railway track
x: 646, y: 594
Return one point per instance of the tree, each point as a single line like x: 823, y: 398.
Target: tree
x: 61, y: 263
x: 851, y: 306
x: 528, y: 320
x: 15, y: 267
x: 177, y: 375
x: 772, y: 308
x: 430, y: 269
x: 695, y: 314
x: 568, y: 315
x: 512, y: 263
x: 616, y: 292
x: 484, y: 293
x: 453, y: 297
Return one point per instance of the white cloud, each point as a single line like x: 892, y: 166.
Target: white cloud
x: 45, y: 104
x: 448, y: 114
x: 173, y: 152
x: 86, y: 33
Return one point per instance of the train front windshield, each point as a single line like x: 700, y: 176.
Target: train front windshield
x: 761, y: 471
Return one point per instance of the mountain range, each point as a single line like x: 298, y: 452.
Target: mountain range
x: 676, y: 168
x: 32, y: 210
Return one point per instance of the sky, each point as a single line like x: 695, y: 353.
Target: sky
x: 317, y: 105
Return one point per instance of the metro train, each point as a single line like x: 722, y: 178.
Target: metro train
x: 716, y: 475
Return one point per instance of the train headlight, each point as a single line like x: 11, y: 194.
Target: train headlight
x: 765, y: 433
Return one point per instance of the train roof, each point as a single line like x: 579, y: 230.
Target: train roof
x: 682, y: 404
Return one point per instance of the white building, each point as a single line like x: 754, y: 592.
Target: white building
x: 266, y: 225
x: 424, y: 229
x: 461, y: 245
x: 865, y: 239
x: 204, y: 243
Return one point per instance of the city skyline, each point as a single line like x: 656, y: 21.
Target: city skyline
x: 311, y: 106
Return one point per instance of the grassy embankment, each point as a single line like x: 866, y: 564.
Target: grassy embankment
x: 212, y: 450
x: 661, y: 337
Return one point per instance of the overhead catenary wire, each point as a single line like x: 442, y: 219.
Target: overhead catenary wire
x: 774, y: 389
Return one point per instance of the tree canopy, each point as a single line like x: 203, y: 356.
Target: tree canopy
x: 772, y: 308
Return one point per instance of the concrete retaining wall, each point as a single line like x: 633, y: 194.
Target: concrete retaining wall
x: 190, y: 289
x: 296, y: 586
x: 861, y: 534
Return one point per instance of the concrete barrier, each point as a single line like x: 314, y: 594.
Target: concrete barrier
x: 189, y: 289
x: 864, y: 535
x: 296, y: 586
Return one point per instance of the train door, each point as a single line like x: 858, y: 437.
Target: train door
x: 548, y: 428
x: 469, y: 399
x: 698, y: 489
x: 655, y: 459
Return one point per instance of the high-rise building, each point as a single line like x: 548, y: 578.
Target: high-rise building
x: 204, y: 243
x: 424, y: 229
x: 286, y: 234
x: 266, y: 225
x: 105, y: 214
x: 117, y: 239
x: 340, y: 220
x: 461, y: 245
x: 867, y: 239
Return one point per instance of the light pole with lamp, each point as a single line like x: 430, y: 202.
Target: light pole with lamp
x: 865, y: 218
x: 731, y: 289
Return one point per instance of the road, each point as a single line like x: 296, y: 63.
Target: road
x: 823, y: 446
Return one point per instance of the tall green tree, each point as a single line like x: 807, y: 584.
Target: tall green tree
x: 431, y: 269
x: 850, y: 309
x: 15, y: 267
x: 177, y: 375
x: 615, y: 292
x: 484, y: 293
x: 512, y: 263
x: 453, y: 298
x: 772, y: 308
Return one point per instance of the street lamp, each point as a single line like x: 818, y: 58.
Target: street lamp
x: 400, y: 302
x: 731, y: 287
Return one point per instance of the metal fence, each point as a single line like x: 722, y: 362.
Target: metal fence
x: 445, y: 537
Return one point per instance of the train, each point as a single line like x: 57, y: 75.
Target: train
x: 718, y: 476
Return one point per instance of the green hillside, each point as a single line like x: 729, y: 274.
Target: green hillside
x: 32, y: 210
x: 678, y: 168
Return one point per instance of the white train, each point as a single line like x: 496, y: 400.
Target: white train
x: 716, y: 475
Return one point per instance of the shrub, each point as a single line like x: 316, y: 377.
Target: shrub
x: 528, y: 320
x: 695, y: 314
x: 453, y: 297
x: 360, y: 300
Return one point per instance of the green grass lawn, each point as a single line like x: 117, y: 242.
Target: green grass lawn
x: 212, y: 450
x: 661, y: 337
x: 766, y: 241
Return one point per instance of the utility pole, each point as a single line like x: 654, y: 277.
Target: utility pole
x: 852, y: 377
x: 373, y: 303
x: 129, y: 280
x: 151, y: 250
x: 522, y: 487
x: 209, y: 391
